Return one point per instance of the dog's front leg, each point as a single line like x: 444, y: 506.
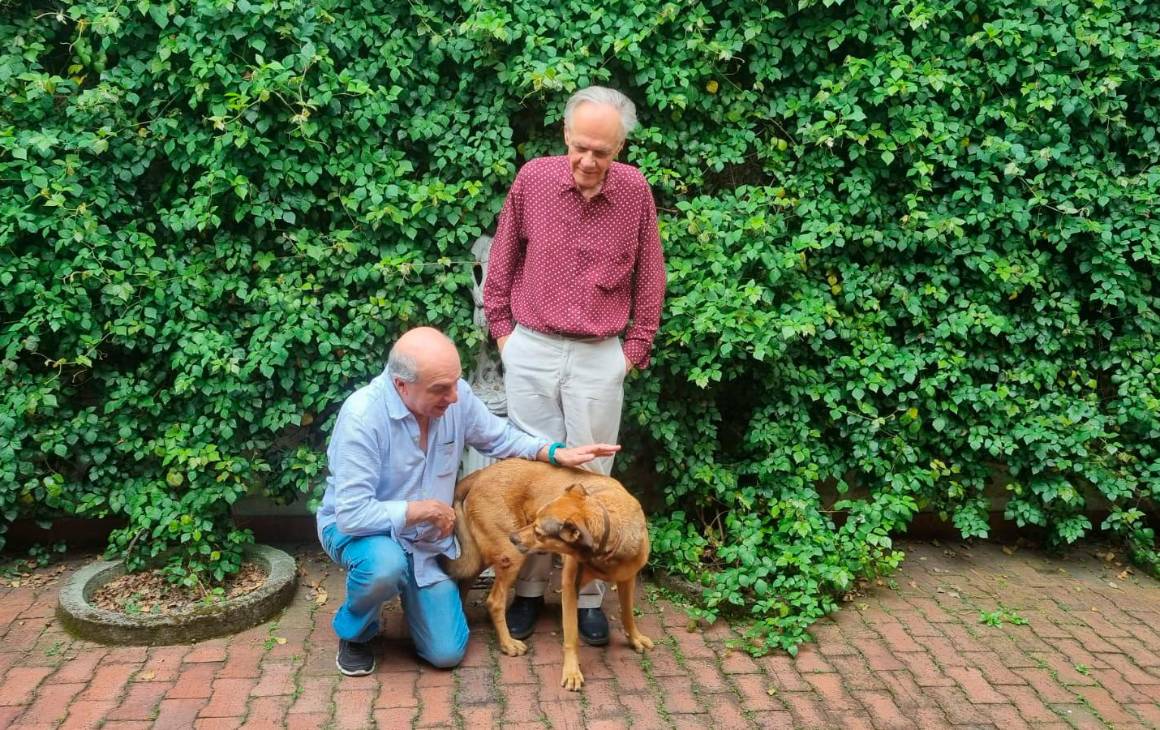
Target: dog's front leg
x: 626, y: 589
x: 572, y: 678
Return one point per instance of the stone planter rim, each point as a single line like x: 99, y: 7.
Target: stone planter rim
x: 83, y: 619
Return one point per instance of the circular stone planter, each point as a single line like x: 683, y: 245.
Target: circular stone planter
x: 87, y: 621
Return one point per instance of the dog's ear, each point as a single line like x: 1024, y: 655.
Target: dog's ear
x: 575, y: 535
x: 550, y: 526
x: 578, y: 489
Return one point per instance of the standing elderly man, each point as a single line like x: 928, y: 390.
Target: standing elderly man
x: 576, y: 262
x: 386, y: 514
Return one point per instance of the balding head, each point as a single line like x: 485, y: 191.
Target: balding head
x: 416, y: 349
x: 424, y: 367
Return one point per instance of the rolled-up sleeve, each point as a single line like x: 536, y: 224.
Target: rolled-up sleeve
x: 354, y: 457
x: 493, y: 436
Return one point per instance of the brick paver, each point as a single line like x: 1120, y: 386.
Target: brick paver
x: 911, y: 654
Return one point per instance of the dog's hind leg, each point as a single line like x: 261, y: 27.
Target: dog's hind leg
x: 507, y: 569
x: 465, y: 588
x: 626, y: 589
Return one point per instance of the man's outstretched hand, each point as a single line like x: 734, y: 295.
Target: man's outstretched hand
x: 578, y: 455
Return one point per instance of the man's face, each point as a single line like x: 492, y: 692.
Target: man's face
x: 434, y: 391
x: 594, y: 139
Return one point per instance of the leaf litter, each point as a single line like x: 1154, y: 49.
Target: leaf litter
x: 149, y: 592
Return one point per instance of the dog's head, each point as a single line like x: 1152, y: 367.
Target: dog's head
x: 561, y: 526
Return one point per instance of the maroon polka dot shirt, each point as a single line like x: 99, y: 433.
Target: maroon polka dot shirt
x: 584, y: 268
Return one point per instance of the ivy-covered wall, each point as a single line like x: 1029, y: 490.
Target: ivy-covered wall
x: 909, y: 244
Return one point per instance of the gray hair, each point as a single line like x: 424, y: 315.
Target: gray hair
x: 402, y: 365
x: 603, y: 95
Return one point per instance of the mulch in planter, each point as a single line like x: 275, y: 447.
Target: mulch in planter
x: 150, y: 593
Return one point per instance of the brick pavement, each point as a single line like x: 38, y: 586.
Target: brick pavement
x: 911, y: 653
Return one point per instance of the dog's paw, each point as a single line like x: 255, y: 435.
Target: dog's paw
x: 640, y: 642
x: 572, y: 680
x: 514, y: 648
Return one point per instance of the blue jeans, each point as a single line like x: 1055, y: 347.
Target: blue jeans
x: 377, y: 570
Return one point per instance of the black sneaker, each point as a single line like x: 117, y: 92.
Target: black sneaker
x: 355, y: 658
x: 522, y: 615
x: 593, y: 626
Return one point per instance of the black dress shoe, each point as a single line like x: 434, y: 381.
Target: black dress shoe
x: 593, y: 626
x: 522, y: 615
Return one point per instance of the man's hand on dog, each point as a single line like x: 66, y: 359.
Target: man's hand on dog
x: 578, y: 455
x: 433, y: 512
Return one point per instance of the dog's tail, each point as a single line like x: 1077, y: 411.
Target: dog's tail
x: 463, y: 486
x: 469, y: 564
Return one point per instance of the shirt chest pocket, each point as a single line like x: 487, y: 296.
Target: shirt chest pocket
x: 609, y: 268
x: 446, y: 459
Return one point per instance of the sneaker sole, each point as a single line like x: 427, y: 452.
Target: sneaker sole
x: 354, y: 672
x: 594, y: 642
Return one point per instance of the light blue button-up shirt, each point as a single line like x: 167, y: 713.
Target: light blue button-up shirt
x: 377, y: 466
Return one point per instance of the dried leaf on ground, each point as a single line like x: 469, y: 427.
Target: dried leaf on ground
x: 149, y: 592
x: 16, y: 576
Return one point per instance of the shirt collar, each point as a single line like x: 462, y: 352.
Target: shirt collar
x: 396, y: 408
x: 567, y: 182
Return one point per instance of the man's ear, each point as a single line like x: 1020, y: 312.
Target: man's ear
x: 575, y: 535
x: 577, y: 489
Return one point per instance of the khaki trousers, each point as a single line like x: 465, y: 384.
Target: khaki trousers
x: 569, y: 390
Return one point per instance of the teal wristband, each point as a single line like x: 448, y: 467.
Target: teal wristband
x: 552, y: 453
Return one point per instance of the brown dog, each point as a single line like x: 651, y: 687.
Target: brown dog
x: 515, y: 507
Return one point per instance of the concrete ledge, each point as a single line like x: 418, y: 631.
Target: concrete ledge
x: 86, y: 621
x: 678, y: 586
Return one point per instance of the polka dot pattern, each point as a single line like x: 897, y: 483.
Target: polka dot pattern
x: 584, y: 268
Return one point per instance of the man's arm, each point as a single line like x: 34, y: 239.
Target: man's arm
x: 499, y: 439
x: 648, y: 289
x: 354, y: 459
x: 502, y: 262
x: 354, y: 462
x: 492, y: 435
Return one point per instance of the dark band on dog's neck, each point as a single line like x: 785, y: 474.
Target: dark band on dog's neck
x: 598, y: 553
x: 607, y: 530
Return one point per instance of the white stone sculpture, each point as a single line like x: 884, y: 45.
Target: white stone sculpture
x: 486, y: 379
